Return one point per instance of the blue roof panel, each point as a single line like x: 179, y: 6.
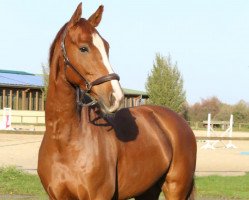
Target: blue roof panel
x: 21, y: 80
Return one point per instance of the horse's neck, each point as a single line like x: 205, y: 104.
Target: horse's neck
x: 63, y: 115
x: 61, y: 107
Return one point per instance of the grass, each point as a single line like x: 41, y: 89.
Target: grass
x: 16, y: 182
x: 228, y: 187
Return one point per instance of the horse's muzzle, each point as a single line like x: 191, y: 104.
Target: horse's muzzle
x: 115, y: 103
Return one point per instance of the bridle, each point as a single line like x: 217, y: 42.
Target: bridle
x: 79, y: 92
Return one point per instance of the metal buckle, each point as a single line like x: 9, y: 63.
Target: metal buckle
x: 88, y: 86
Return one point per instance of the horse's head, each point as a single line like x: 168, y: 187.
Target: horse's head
x: 86, y: 57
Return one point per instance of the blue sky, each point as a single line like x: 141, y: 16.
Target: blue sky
x: 209, y: 40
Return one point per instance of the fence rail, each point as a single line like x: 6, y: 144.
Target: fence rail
x: 221, y: 138
x: 201, y: 125
x: 29, y: 119
x: 197, y: 137
x: 23, y: 119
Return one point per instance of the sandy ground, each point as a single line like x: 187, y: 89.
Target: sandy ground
x: 22, y: 150
x: 222, y: 160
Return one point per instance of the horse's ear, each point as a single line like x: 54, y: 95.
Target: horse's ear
x: 95, y: 19
x: 76, y: 16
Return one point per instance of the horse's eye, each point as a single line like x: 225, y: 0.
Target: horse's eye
x: 84, y: 49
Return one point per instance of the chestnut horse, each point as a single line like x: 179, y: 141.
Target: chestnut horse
x: 90, y: 153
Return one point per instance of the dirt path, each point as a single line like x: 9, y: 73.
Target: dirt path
x: 22, y: 151
x: 221, y: 160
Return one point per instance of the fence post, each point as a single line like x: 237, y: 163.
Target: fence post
x: 208, y: 144
x: 230, y: 133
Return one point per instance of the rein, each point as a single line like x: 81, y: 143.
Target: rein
x: 79, y: 92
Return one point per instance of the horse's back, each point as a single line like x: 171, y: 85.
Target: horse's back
x: 154, y: 137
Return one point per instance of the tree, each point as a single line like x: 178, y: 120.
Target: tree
x: 241, y: 112
x: 165, y: 84
x: 199, y: 111
x: 45, y: 71
x: 225, y: 111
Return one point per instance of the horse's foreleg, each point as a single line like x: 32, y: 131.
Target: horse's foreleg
x: 179, y: 189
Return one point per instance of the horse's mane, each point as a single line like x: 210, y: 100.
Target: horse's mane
x: 57, y: 37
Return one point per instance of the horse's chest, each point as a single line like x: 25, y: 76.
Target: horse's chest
x: 82, y: 172
x: 81, y: 166
x: 79, y: 161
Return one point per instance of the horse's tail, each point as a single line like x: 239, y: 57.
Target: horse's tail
x: 192, y: 191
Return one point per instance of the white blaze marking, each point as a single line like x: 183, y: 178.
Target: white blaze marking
x: 98, y: 42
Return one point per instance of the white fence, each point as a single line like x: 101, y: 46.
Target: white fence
x: 210, y: 132
x: 25, y: 117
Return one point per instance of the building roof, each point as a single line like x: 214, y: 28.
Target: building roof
x: 20, y: 79
x: 134, y: 92
x: 14, y: 72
